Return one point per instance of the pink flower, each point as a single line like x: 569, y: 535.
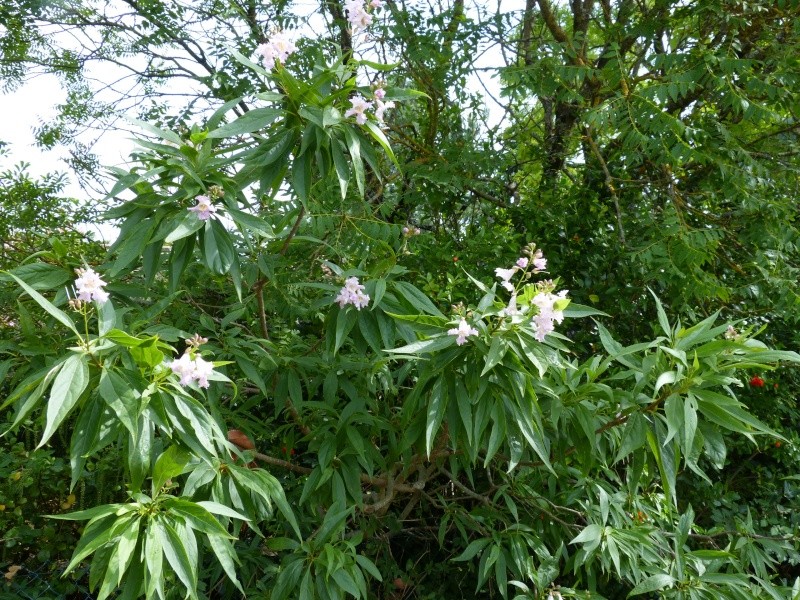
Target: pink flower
x: 380, y: 93
x: 359, y: 106
x: 539, y: 261
x: 204, y: 208
x: 89, y: 286
x: 543, y: 322
x: 462, y: 332
x: 352, y: 293
x: 357, y: 14
x: 183, y: 367
x: 522, y: 263
x: 279, y: 47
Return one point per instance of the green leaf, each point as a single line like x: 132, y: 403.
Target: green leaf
x: 188, y: 226
x: 255, y: 119
x: 496, y: 353
x: 416, y: 298
x: 170, y: 464
x: 345, y: 321
x: 652, y: 584
x: 227, y: 558
x: 177, y: 555
x: 218, y: 249
x: 59, y: 315
x: 430, y: 345
x: 68, y: 386
x: 437, y: 405
x: 122, y: 398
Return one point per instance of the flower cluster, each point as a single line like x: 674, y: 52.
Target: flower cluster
x: 536, y: 258
x: 548, y: 313
x: 352, y: 293
x: 278, y: 48
x: 463, y: 331
x: 409, y: 231
x: 204, y: 209
x: 380, y: 105
x: 360, y: 106
x: 359, y: 13
x: 89, y: 286
x: 549, y: 304
x: 192, y: 369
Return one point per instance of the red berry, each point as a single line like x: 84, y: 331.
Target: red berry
x: 756, y: 381
x: 778, y: 444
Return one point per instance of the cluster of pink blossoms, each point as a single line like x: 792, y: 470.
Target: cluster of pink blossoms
x: 360, y: 106
x: 204, y: 209
x: 539, y: 264
x: 359, y: 13
x: 278, y: 48
x: 545, y: 301
x: 543, y: 321
x: 89, y: 286
x: 191, y: 369
x: 352, y: 293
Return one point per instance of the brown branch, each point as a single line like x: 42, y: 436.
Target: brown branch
x: 609, y: 183
x: 551, y: 22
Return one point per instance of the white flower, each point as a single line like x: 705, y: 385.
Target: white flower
x: 204, y: 208
x: 511, y: 310
x: 202, y: 371
x: 184, y: 367
x: 359, y: 106
x: 89, y: 287
x: 462, y: 331
x: 505, y: 275
x: 357, y: 14
x: 381, y: 107
x: 192, y: 369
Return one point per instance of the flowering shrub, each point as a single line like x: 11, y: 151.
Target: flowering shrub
x: 324, y: 433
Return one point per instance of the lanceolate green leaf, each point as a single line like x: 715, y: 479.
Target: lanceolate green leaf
x: 58, y: 314
x: 67, y: 389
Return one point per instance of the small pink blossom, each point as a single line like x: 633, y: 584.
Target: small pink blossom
x: 380, y: 93
x: 89, y: 286
x: 522, y: 262
x: 462, y: 332
x: 204, y: 208
x: 359, y: 106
